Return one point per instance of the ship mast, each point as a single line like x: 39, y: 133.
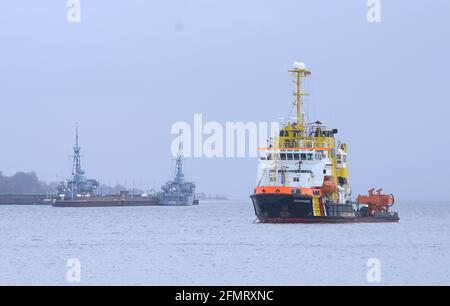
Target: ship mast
x: 76, y: 168
x: 179, y: 175
x: 299, y: 71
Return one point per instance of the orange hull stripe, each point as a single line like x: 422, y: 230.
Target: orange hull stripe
x: 282, y: 190
x: 274, y: 189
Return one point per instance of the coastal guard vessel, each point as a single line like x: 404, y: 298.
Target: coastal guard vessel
x: 178, y: 192
x: 303, y: 175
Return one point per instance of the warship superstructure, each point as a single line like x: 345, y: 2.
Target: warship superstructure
x: 178, y: 191
x: 78, y: 185
x: 303, y: 175
x: 79, y: 191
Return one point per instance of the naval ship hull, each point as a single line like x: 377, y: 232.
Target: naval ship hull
x: 106, y: 202
x: 285, y: 208
x: 176, y: 200
x: 25, y: 199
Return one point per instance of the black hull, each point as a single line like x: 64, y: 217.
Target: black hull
x: 286, y: 208
x: 328, y: 220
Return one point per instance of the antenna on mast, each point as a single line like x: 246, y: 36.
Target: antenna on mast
x: 76, y: 168
x: 76, y: 134
x: 179, y: 175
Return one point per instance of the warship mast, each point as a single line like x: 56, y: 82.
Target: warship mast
x: 179, y: 175
x: 76, y: 168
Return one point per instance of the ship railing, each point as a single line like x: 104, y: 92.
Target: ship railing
x: 307, y: 144
x: 386, y: 215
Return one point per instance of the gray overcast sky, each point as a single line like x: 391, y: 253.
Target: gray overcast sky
x: 132, y: 68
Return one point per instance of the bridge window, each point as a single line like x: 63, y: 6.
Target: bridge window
x: 289, y: 156
x: 303, y: 156
x: 296, y: 156
x: 310, y: 156
x: 283, y: 156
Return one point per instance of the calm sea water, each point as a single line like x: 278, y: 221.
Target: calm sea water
x: 217, y: 243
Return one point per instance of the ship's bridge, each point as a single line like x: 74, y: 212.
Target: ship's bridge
x: 299, y: 157
x: 297, y: 167
x: 311, y: 136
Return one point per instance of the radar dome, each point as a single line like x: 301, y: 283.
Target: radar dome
x: 299, y: 65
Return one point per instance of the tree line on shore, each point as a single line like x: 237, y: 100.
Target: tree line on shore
x: 25, y: 183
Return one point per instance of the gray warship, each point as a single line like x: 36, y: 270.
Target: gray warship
x: 79, y: 191
x: 78, y: 186
x: 178, y: 192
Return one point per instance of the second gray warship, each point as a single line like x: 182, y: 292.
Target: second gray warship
x: 178, y: 192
